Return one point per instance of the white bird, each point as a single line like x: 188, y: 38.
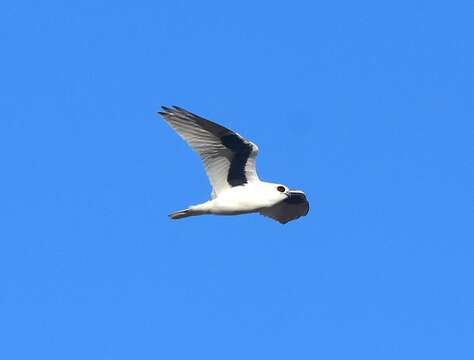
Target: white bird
x: 230, y: 162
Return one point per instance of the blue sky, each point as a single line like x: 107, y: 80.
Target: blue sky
x: 367, y: 106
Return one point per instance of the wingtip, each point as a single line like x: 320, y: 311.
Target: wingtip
x: 172, y: 110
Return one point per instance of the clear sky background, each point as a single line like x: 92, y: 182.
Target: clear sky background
x: 367, y: 106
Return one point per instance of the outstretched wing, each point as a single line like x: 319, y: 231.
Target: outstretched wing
x: 292, y: 208
x: 229, y: 158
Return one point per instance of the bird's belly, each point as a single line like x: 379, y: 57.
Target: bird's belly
x: 233, y: 206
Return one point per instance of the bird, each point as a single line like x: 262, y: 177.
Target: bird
x: 230, y: 163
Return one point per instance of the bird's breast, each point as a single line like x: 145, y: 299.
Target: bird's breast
x: 240, y: 200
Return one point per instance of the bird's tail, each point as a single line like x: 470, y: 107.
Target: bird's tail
x: 182, y: 214
x: 194, y: 210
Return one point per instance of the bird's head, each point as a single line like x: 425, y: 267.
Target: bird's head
x: 282, y: 190
x: 276, y: 192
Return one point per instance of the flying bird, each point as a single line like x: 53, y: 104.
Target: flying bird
x: 230, y: 162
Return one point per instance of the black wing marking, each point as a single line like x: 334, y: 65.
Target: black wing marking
x: 235, y: 148
x: 241, y: 150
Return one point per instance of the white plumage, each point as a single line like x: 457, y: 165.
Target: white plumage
x: 230, y: 162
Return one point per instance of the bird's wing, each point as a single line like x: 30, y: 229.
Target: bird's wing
x: 229, y: 159
x: 293, y: 207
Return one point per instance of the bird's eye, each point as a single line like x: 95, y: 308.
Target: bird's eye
x: 281, y: 189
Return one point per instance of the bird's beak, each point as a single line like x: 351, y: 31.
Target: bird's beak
x: 296, y: 196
